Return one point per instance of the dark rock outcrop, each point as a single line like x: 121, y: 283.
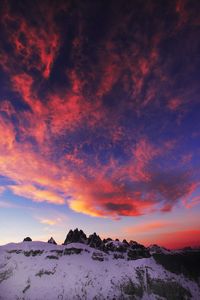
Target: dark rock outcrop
x: 27, y: 239
x: 116, y: 246
x: 95, y: 241
x: 132, y: 249
x: 52, y: 241
x: 125, y: 242
x: 97, y: 256
x: 133, y: 243
x: 137, y: 251
x: 76, y: 236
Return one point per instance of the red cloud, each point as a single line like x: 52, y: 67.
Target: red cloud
x: 191, y: 199
x: 143, y: 154
x: 35, y: 46
x: 99, y: 190
x: 174, y: 104
x: 6, y: 107
x: 60, y: 113
x: 182, y: 13
x: 7, y: 136
x: 35, y: 142
x: 111, y: 69
x: 27, y: 169
x: 101, y: 197
x: 22, y: 83
x: 93, y: 189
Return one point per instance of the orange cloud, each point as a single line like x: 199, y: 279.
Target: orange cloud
x: 102, y: 197
x: 19, y: 163
x: 50, y: 222
x: 36, y: 194
x: 7, y: 136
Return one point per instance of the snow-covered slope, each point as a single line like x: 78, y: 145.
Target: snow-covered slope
x: 159, y: 250
x: 37, y: 270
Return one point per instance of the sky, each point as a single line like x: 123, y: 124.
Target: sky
x: 100, y: 120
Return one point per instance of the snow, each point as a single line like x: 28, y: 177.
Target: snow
x: 74, y: 276
x: 115, y: 243
x: 158, y: 249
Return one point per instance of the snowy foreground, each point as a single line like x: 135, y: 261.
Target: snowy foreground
x: 38, y: 270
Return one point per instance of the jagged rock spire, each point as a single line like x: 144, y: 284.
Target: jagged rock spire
x: 52, y: 241
x: 76, y: 236
x: 94, y: 241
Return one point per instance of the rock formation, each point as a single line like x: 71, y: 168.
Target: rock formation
x: 27, y: 239
x: 52, y: 241
x: 76, y: 236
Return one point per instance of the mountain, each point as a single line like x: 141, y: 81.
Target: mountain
x: 97, y: 269
x: 76, y: 236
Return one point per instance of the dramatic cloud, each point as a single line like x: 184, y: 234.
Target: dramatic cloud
x: 35, y: 41
x: 98, y: 109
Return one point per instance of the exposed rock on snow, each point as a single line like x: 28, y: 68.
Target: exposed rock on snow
x: 95, y: 241
x: 27, y: 239
x: 52, y: 241
x: 158, y: 249
x: 76, y: 236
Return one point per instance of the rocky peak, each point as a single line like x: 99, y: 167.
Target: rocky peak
x: 133, y: 243
x: 52, y: 241
x: 76, y: 236
x: 133, y: 249
x: 125, y: 242
x: 94, y: 241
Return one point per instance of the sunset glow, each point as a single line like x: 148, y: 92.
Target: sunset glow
x: 100, y: 120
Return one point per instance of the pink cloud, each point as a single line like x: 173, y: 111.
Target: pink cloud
x: 174, y: 104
